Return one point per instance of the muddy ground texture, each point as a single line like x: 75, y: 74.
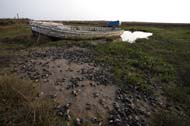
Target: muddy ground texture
x: 82, y: 89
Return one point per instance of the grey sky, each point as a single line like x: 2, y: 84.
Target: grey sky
x: 125, y: 10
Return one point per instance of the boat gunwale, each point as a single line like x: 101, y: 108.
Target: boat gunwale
x: 55, y: 29
x: 66, y: 31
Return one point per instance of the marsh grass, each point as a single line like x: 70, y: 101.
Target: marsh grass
x: 5, y: 22
x: 20, y: 106
x: 133, y: 66
x: 169, y: 118
x: 163, y: 59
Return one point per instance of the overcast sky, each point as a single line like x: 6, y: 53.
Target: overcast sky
x: 124, y: 10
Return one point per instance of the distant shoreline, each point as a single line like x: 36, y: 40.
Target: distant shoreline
x: 103, y: 22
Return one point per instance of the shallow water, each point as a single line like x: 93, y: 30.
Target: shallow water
x: 131, y: 37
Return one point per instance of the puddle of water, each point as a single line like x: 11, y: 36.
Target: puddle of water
x: 131, y: 37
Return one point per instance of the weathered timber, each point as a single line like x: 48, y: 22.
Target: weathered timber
x: 58, y: 30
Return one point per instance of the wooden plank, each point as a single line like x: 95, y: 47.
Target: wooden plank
x: 61, y: 31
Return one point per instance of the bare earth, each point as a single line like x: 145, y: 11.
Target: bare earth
x: 71, y: 82
x: 83, y: 90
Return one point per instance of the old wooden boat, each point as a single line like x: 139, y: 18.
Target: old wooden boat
x: 59, y: 30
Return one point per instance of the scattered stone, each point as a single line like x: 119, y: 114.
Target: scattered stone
x: 68, y: 105
x: 88, y: 106
x: 45, y: 80
x: 93, y: 84
x: 78, y: 121
x: 95, y: 95
x: 47, y: 75
x: 67, y: 117
x: 40, y: 94
x: 36, y: 80
x: 100, y: 123
x: 102, y: 101
x: 96, y: 75
x: 79, y: 90
x: 125, y: 112
x: 64, y: 111
x: 94, y: 119
x: 53, y: 96
x: 82, y: 85
x: 74, y: 92
x: 58, y: 83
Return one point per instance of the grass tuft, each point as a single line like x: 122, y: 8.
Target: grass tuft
x: 20, y: 106
x: 169, y: 118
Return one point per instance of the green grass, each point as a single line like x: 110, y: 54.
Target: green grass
x: 164, y: 60
x: 131, y: 65
x: 169, y: 118
x: 15, y: 36
x: 6, y: 22
x: 12, y: 31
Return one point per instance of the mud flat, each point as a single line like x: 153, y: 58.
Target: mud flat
x: 83, y: 90
x: 69, y: 76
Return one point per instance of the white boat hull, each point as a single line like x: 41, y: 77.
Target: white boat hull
x: 59, y: 30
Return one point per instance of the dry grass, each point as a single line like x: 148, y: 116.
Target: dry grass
x: 19, y: 105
